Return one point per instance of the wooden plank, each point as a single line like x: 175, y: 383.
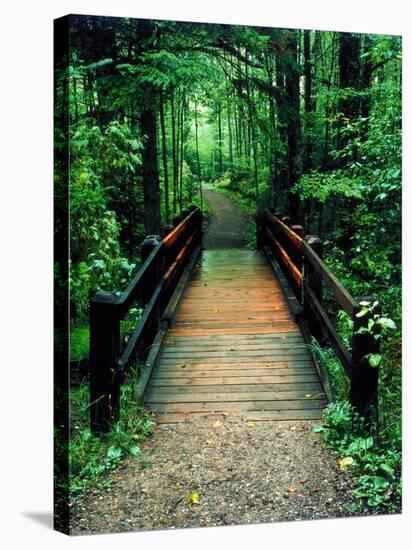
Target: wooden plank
x: 208, y: 367
x: 167, y: 374
x: 198, y: 381
x: 184, y: 331
x: 242, y: 362
x: 237, y: 406
x: 238, y: 338
x: 255, y: 416
x: 237, y: 388
x: 268, y: 345
x: 204, y: 397
x: 246, y: 351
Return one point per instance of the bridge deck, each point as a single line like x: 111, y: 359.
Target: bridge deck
x: 234, y: 348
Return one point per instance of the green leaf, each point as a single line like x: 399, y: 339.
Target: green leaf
x: 114, y: 453
x: 374, y: 359
x: 134, y: 450
x: 387, y: 469
x: 387, y: 323
x: 362, y: 313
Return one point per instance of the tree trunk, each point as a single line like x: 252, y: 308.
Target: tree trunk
x: 150, y: 172
x: 282, y: 182
x: 219, y: 134
x: 174, y: 154
x: 308, y: 101
x: 164, y: 155
x: 182, y: 113
x: 349, y: 78
x: 294, y: 123
x: 366, y: 84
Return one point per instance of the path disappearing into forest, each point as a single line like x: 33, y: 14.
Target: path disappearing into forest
x: 242, y: 471
x: 226, y: 225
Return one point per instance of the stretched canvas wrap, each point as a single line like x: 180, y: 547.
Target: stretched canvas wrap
x: 227, y: 274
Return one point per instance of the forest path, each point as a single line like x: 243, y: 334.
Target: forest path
x: 226, y: 226
x: 243, y: 472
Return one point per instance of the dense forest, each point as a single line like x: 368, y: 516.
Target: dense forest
x: 305, y: 122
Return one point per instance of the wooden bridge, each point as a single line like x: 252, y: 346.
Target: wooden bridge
x: 227, y: 331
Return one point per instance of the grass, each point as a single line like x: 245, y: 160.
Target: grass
x: 79, y: 341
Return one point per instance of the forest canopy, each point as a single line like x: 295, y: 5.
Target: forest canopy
x: 305, y: 122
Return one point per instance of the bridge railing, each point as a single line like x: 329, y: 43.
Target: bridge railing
x: 301, y: 260
x: 152, y: 288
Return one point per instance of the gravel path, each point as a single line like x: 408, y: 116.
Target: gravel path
x: 226, y: 226
x: 243, y: 472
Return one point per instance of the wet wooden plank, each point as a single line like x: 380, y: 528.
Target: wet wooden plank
x: 238, y: 388
x: 237, y: 406
x: 234, y: 347
x: 189, y: 380
x: 255, y: 416
x: 196, y: 396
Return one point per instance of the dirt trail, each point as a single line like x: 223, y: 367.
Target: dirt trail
x: 243, y: 472
x: 226, y: 226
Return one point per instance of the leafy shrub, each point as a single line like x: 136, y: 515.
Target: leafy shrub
x: 376, y: 466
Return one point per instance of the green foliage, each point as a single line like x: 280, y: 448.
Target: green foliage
x: 375, y: 467
x: 323, y: 187
x: 336, y: 373
x: 79, y: 341
x: 97, y: 262
x: 92, y: 457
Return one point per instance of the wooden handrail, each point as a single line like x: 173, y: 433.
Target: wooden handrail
x: 152, y: 287
x: 290, y: 250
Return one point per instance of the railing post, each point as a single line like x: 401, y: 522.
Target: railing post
x: 146, y: 248
x: 259, y: 231
x: 314, y: 281
x: 297, y: 257
x: 104, y: 351
x: 364, y: 380
x: 150, y: 242
x: 165, y: 230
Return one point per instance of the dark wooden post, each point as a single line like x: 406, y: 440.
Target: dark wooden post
x: 259, y: 231
x: 314, y: 281
x: 104, y: 351
x: 148, y: 245
x: 364, y: 380
x: 157, y: 269
x: 176, y: 220
x: 165, y: 230
x: 297, y: 256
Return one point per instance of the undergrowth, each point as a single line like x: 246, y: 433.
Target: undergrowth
x: 91, y: 458
x: 370, y: 450
x: 374, y: 461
